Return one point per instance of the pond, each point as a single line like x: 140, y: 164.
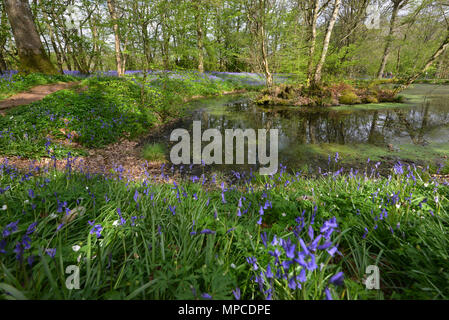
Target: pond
x: 415, y: 131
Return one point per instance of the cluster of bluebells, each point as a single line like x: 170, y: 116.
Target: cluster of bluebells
x: 19, y: 246
x: 292, y: 259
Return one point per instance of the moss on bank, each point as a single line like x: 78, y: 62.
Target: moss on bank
x: 326, y: 95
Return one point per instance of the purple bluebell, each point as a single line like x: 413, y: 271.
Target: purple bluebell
x: 252, y: 261
x: 206, y: 296
x: 236, y: 293
x: 328, y: 294
x: 337, y: 279
x: 207, y: 231
x: 269, y: 272
x: 51, y: 252
x: 264, y: 238
x: 31, y: 228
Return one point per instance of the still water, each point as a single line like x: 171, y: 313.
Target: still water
x: 417, y: 130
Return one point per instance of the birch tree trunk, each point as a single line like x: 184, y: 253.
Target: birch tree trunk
x: 327, y: 38
x: 32, y: 55
x: 397, y: 5
x: 118, y: 53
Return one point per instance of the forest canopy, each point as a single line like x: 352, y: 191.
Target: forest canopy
x: 309, y: 38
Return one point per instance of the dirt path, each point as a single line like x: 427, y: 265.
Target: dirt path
x: 34, y: 94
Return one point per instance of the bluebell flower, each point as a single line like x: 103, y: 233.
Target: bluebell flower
x: 206, y: 296
x: 289, y: 248
x: 3, y: 246
x: 292, y: 284
x: 207, y: 231
x: 26, y: 242
x: 31, y: 228
x: 311, y: 264
x: 19, y: 251
x: 269, y: 272
x: 333, y: 251
x: 328, y: 294
x: 286, y: 265
x: 51, y: 252
x: 302, y: 276
x: 310, y: 233
x: 252, y: 261
x: 10, y: 228
x: 337, y: 279
x: 236, y: 293
x: 263, y: 236
x: 96, y: 229
x: 303, y: 246
x: 365, y: 234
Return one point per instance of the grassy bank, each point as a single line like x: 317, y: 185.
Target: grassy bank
x: 280, y: 237
x: 105, y: 108
x: 11, y: 82
x: 327, y: 95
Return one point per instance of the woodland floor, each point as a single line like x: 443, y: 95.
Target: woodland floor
x: 34, y: 94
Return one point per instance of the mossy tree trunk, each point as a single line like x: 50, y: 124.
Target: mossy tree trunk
x: 32, y: 55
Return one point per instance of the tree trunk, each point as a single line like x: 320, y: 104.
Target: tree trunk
x: 199, y: 33
x: 388, y: 43
x: 3, y: 66
x: 3, y: 39
x: 165, y: 45
x: 440, y: 72
x: 443, y: 47
x: 118, y: 53
x: 312, y: 40
x: 266, y: 69
x: 32, y: 55
x: 327, y: 38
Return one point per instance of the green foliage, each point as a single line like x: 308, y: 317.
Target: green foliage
x: 154, y: 152
x: 15, y: 83
x: 150, y: 244
x: 108, y: 109
x: 349, y: 98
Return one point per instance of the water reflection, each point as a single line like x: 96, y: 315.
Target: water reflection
x: 421, y: 123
